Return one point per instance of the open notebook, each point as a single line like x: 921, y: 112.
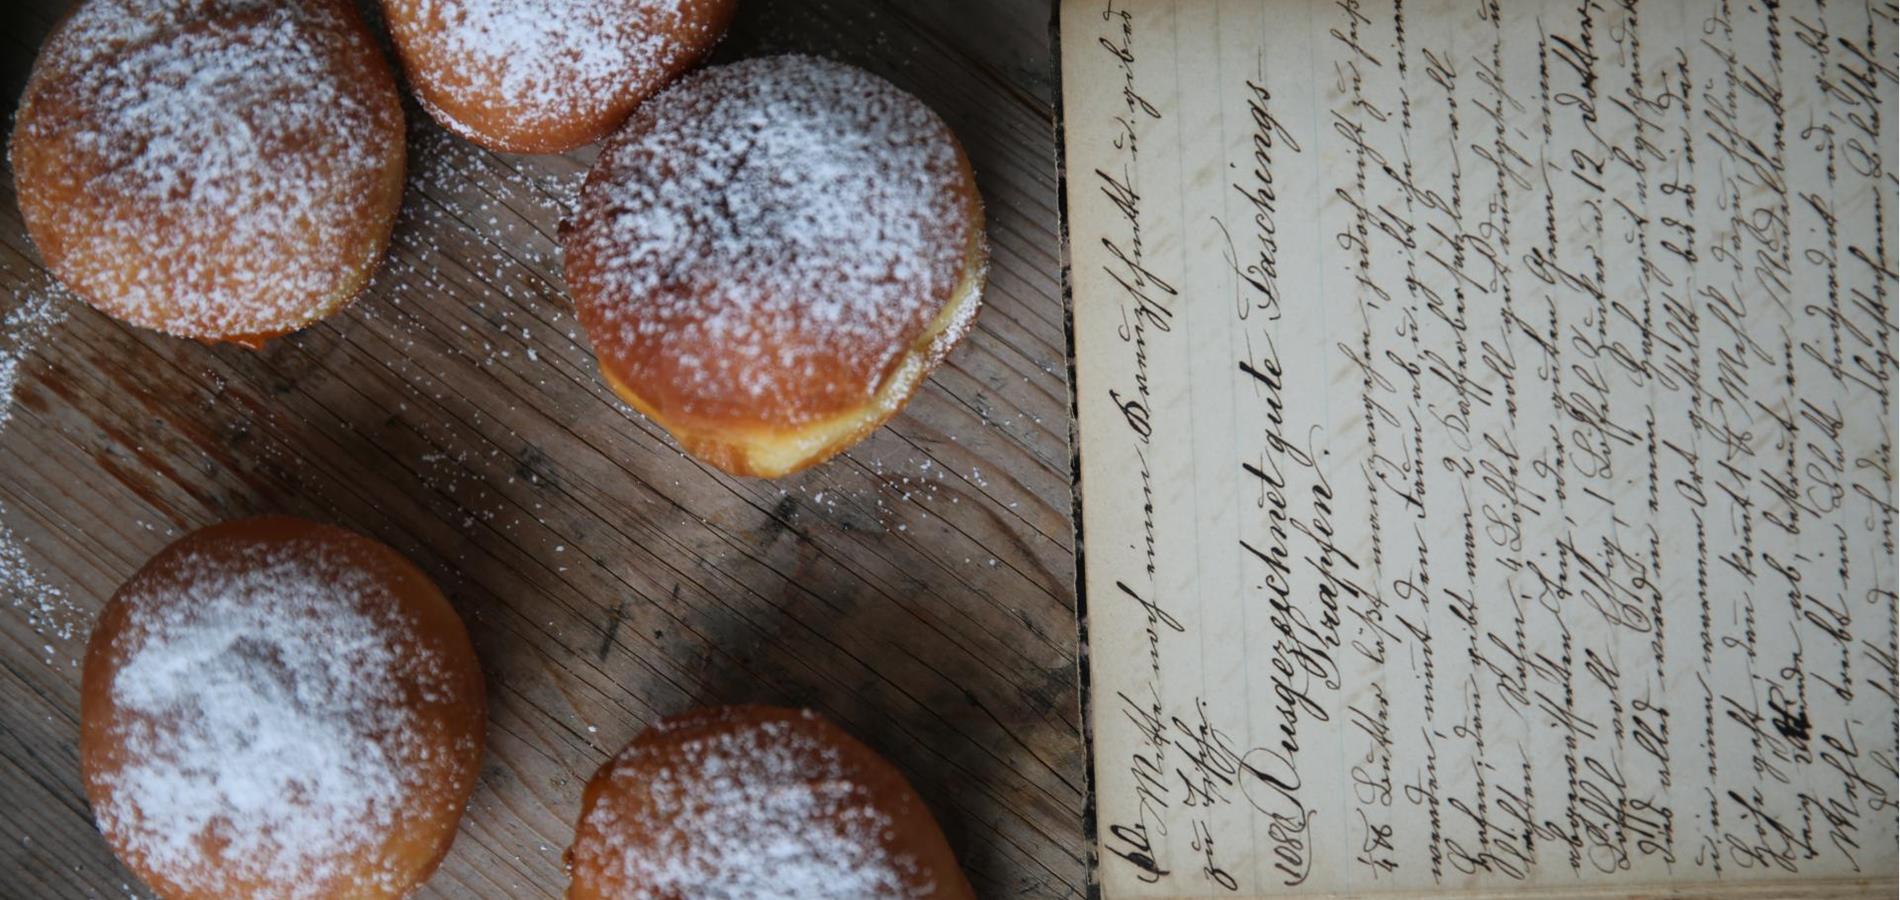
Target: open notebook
x: 1486, y: 423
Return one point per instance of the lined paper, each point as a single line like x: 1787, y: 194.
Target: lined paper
x: 1486, y: 420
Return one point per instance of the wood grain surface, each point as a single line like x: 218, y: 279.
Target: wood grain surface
x: 918, y: 590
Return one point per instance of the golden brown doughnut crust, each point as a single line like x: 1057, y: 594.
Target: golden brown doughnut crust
x: 226, y: 170
x: 670, y: 816
x: 222, y: 641
x: 544, y: 76
x: 771, y: 255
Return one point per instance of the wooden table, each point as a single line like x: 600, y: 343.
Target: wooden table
x: 918, y: 590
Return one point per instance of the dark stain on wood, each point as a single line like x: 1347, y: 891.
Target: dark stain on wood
x: 613, y: 629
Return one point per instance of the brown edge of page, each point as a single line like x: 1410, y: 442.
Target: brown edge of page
x: 1091, y: 855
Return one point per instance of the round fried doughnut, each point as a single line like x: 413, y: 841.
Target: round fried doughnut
x: 273, y: 707
x: 752, y: 801
x: 227, y: 170
x: 543, y: 76
x: 770, y: 256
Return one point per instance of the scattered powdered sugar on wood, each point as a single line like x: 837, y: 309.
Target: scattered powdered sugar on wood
x: 763, y: 812
x: 771, y: 233
x: 227, y: 160
x: 49, y: 611
x: 25, y: 327
x: 261, y: 711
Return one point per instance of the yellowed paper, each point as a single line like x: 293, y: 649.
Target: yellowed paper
x: 1486, y: 420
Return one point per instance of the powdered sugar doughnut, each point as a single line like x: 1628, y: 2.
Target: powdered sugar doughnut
x: 542, y: 76
x: 216, y: 169
x: 273, y: 707
x: 756, y: 802
x: 770, y: 256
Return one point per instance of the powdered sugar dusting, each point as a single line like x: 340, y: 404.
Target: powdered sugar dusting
x: 49, y: 611
x: 260, y: 710
x: 23, y: 329
x: 550, y: 59
x: 229, y: 151
x: 767, y: 238
x: 761, y: 812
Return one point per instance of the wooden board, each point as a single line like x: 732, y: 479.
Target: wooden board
x: 918, y: 590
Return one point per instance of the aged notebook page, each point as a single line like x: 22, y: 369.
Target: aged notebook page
x: 1486, y: 415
